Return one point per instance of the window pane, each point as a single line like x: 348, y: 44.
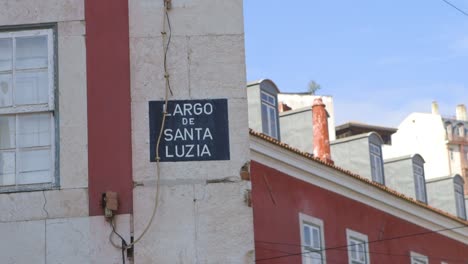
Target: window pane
x: 31, y: 52
x: 315, y: 258
x: 419, y: 188
x: 5, y: 54
x: 272, y: 117
x: 307, y: 238
x: 265, y: 125
x: 34, y: 130
x: 7, y: 168
x: 34, y: 166
x: 5, y: 90
x: 31, y: 88
x: 353, y: 250
x: 316, y: 239
x: 360, y: 252
x: 7, y: 132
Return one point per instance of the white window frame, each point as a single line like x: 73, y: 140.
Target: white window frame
x: 361, y: 239
x: 270, y: 104
x: 419, y: 182
x: 417, y: 258
x: 377, y: 169
x: 460, y: 200
x: 318, y: 224
x: 45, y: 108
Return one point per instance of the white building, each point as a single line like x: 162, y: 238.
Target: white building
x: 443, y: 143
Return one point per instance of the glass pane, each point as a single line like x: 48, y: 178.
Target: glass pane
x: 360, y: 252
x: 7, y: 132
x: 5, y: 54
x: 316, y: 238
x: 265, y: 119
x: 271, y: 100
x: 31, y: 88
x: 7, y: 168
x: 5, y: 90
x: 273, y: 122
x: 307, y: 238
x: 353, y: 250
x: 34, y: 166
x: 316, y: 258
x: 34, y: 130
x: 31, y: 52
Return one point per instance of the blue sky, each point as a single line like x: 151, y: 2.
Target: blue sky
x: 379, y: 59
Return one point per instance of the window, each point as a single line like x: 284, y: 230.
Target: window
x: 358, y: 248
x: 269, y: 116
x: 376, y: 163
x: 460, y: 200
x: 459, y: 130
x: 448, y: 127
x: 27, y: 125
x: 312, y: 240
x: 418, y: 258
x: 420, y: 183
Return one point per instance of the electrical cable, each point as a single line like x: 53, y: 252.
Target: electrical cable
x: 370, y: 252
x: 454, y: 6
x: 124, y: 243
x: 369, y: 242
x: 163, y: 122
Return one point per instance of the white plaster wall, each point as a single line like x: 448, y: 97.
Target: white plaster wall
x: 455, y: 162
x: 23, y: 12
x: 196, y: 222
x: 423, y: 134
x: 75, y: 240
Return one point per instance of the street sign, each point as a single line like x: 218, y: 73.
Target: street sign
x: 194, y: 130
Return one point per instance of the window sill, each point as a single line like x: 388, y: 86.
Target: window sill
x: 29, y: 188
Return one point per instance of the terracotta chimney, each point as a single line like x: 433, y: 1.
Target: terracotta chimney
x: 461, y: 112
x: 321, y: 137
x: 282, y: 107
x: 435, y: 108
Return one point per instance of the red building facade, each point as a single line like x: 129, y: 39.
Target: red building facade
x: 289, y: 187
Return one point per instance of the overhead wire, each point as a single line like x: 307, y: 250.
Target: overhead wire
x: 305, y: 254
x: 369, y: 242
x: 454, y: 6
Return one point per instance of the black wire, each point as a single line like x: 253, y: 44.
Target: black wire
x: 369, y: 242
x: 304, y: 253
x: 454, y: 6
x: 124, y: 243
x: 370, y: 252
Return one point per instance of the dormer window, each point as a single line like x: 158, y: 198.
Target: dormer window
x: 376, y: 163
x: 269, y: 115
x: 460, y: 200
x: 448, y: 128
x: 419, y: 183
